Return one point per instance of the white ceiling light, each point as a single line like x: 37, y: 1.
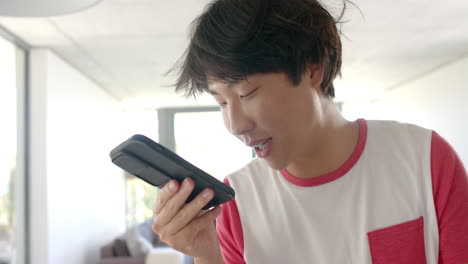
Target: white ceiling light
x: 43, y: 8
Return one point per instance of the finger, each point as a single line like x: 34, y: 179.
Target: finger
x: 189, y: 212
x: 174, y: 204
x: 165, y: 194
x: 202, y: 212
x: 198, y: 224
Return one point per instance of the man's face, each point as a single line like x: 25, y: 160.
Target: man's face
x: 270, y: 114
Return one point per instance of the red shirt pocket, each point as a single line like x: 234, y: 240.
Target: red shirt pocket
x: 398, y: 244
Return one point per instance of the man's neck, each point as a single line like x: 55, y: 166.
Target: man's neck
x: 337, y: 143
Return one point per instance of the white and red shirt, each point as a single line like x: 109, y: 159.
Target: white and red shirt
x: 402, y: 197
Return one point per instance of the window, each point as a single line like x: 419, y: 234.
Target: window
x: 196, y: 134
x: 12, y: 180
x: 140, y: 196
x: 202, y: 139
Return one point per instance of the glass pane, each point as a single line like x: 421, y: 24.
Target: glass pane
x: 140, y: 196
x: 202, y: 139
x: 8, y: 152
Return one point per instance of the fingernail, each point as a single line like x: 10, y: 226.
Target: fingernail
x: 172, y: 186
x: 207, y: 194
x: 187, y: 183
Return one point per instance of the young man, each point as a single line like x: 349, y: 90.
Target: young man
x: 323, y: 190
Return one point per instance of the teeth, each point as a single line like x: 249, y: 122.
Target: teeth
x: 262, y: 146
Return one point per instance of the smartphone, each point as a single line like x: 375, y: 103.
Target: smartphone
x: 157, y: 165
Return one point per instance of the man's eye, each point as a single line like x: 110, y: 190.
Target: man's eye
x: 223, y: 104
x: 249, y: 94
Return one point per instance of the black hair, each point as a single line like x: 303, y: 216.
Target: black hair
x: 232, y: 39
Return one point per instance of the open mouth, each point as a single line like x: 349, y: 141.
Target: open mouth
x: 262, y: 145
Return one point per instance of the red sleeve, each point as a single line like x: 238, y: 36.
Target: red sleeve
x: 229, y: 229
x: 450, y: 190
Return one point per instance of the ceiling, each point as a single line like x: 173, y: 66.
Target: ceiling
x: 126, y: 46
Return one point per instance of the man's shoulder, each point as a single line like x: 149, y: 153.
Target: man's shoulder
x: 394, y: 128
x: 398, y: 138
x: 392, y: 124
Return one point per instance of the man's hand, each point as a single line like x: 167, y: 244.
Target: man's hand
x: 186, y: 227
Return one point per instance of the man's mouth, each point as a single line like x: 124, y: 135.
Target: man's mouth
x: 261, y: 146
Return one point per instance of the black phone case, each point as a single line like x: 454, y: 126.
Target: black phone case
x: 157, y: 165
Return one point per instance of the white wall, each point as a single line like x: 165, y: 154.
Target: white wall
x: 77, y: 198
x: 438, y: 101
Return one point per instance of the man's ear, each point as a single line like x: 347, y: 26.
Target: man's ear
x: 315, y: 75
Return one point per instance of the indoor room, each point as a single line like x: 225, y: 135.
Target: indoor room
x: 79, y: 77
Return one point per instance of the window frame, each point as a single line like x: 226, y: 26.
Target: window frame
x: 166, y: 122
x: 22, y: 190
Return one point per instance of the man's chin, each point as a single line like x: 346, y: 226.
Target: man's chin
x: 275, y: 164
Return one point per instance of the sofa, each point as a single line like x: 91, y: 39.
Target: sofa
x: 139, y: 245
x: 116, y: 252
x: 158, y: 255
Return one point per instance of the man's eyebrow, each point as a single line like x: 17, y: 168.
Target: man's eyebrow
x: 230, y: 85
x: 212, y: 92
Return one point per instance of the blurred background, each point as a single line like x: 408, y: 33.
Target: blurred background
x: 75, y: 85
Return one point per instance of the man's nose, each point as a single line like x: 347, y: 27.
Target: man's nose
x: 238, y: 122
